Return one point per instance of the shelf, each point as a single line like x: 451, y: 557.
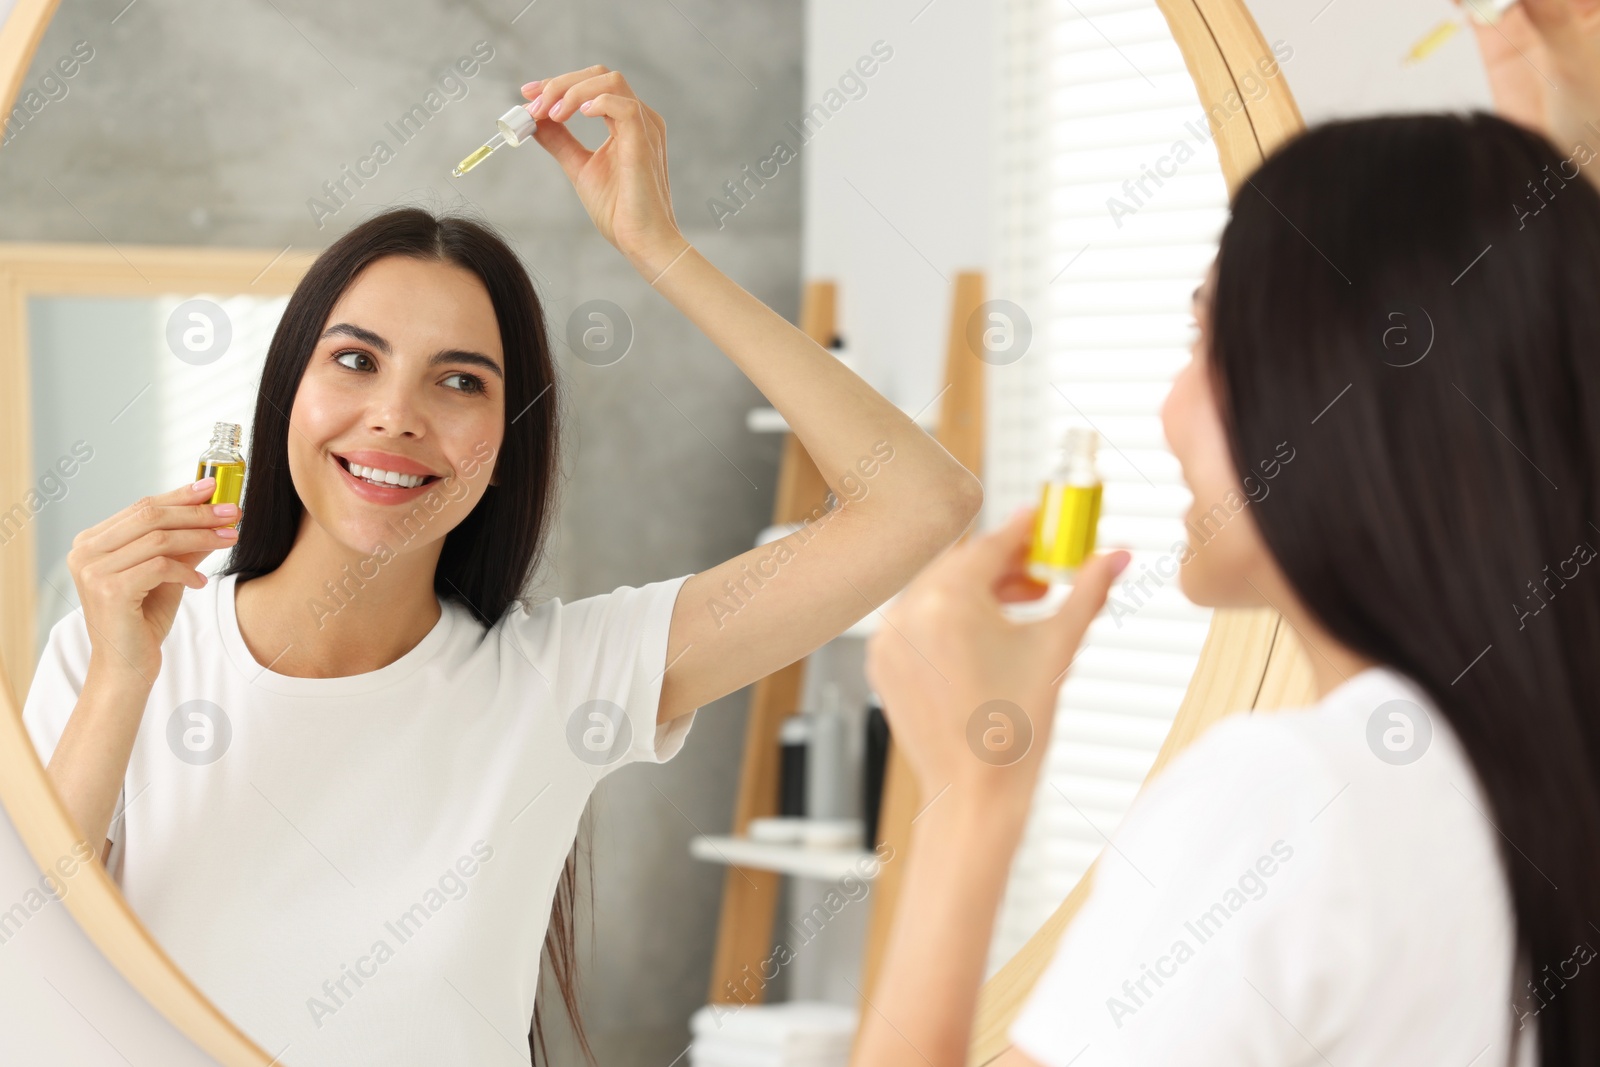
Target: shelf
x: 828, y: 864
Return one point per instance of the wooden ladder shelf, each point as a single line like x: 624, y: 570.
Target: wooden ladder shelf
x: 750, y: 896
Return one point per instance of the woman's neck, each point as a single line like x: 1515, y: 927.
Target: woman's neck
x: 328, y: 612
x: 1332, y: 662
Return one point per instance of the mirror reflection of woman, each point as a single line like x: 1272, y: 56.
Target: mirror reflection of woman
x: 341, y: 781
x: 1407, y: 872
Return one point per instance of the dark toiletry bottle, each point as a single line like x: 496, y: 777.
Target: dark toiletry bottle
x: 794, y: 739
x: 876, y: 759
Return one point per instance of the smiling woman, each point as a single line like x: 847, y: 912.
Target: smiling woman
x: 403, y: 459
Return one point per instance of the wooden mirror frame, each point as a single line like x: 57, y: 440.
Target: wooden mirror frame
x: 1250, y: 660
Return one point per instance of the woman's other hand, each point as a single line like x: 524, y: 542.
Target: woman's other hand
x: 623, y: 184
x: 970, y: 693
x: 132, y: 568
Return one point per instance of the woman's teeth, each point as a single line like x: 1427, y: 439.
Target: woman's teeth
x: 382, y: 477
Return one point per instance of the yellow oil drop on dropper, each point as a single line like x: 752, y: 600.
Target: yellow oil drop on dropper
x: 223, y: 462
x: 516, y: 126
x: 1069, y: 511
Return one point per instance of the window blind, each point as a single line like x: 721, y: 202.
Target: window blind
x: 1094, y: 97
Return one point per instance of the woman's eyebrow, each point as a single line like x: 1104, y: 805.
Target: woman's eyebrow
x: 449, y: 355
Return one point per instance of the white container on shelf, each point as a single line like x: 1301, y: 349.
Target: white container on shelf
x: 789, y: 1034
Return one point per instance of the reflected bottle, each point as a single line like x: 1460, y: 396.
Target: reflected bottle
x: 1069, y: 511
x: 223, y: 461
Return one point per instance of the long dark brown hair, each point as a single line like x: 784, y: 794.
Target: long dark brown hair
x: 490, y: 558
x: 1439, y: 277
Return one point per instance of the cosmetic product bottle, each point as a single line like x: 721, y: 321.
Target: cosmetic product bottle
x: 1069, y: 511
x: 877, y: 758
x: 516, y: 126
x: 794, y: 739
x: 222, y: 461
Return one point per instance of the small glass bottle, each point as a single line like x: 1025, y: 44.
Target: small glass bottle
x: 223, y: 462
x: 516, y: 126
x: 1069, y: 511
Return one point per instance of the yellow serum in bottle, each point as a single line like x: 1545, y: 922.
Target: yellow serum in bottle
x: 223, y: 461
x: 1069, y: 511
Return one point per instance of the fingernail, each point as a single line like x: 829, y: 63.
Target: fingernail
x: 584, y: 107
x: 1119, y: 561
x: 531, y: 86
x: 203, y: 483
x: 555, y: 109
x: 226, y: 511
x: 533, y: 105
x: 227, y: 531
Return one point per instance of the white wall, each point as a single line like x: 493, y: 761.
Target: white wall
x: 1347, y: 57
x: 897, y: 183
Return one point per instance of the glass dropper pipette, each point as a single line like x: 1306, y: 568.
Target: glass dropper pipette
x: 1483, y: 12
x: 516, y: 126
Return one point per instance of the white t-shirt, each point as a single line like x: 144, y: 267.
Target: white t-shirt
x: 361, y: 869
x: 1298, y: 887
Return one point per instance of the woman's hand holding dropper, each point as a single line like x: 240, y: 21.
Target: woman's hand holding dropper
x: 920, y: 497
x: 623, y: 184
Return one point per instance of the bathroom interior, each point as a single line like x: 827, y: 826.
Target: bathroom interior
x: 994, y: 211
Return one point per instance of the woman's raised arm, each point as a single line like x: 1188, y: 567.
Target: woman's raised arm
x: 902, y: 497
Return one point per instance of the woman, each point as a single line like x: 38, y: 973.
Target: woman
x: 347, y: 774
x: 1409, y: 871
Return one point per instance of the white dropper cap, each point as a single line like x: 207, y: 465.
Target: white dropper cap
x: 516, y: 125
x: 1076, y: 465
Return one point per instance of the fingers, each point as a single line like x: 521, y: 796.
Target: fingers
x: 1089, y: 591
x: 1018, y: 587
x: 627, y: 118
x: 558, y: 99
x: 184, y: 494
x: 552, y: 89
x: 161, y: 544
x: 158, y: 570
x: 1563, y: 23
x: 563, y: 97
x: 581, y: 92
x: 568, y: 151
x: 159, y: 513
x: 996, y: 556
